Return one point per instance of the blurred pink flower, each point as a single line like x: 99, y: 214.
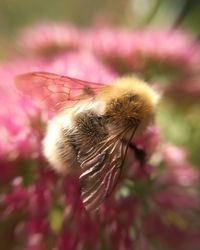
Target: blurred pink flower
x: 17, y: 199
x: 185, y: 90
x: 18, y: 115
x: 168, y: 235
x: 174, y: 202
x: 178, y: 170
x: 49, y: 38
x: 144, y: 49
x: 173, y: 154
x: 36, y: 242
x: 82, y: 65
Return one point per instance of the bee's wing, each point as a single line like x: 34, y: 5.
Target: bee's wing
x: 101, y: 167
x: 53, y: 91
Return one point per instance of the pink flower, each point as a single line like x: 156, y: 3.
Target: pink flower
x: 177, y: 168
x: 144, y: 49
x: 36, y: 242
x: 173, y: 154
x: 17, y: 199
x: 169, y: 236
x: 48, y: 39
x: 185, y: 90
x: 15, y: 118
x: 176, y: 201
x: 82, y: 65
x: 8, y: 170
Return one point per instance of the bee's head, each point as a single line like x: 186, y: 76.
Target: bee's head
x: 133, y: 101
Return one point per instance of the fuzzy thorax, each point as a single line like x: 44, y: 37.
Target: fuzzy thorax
x: 130, y: 99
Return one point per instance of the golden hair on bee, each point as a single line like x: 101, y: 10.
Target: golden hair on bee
x: 90, y: 138
x: 130, y: 97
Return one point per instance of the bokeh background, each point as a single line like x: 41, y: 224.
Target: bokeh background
x: 154, y: 207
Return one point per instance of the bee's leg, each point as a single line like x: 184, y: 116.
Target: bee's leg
x: 138, y: 153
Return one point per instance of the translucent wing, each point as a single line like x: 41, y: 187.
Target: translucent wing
x: 101, y: 167
x: 54, y: 91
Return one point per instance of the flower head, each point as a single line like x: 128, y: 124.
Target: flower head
x: 145, y: 50
x: 48, y: 39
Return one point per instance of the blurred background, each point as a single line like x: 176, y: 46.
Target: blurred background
x: 155, y: 208
x: 15, y: 14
